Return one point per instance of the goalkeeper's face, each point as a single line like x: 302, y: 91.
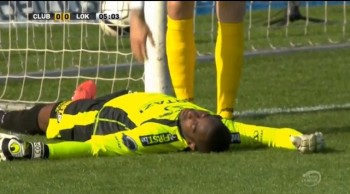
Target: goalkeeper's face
x: 195, y: 127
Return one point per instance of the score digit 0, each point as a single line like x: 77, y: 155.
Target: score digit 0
x: 62, y: 16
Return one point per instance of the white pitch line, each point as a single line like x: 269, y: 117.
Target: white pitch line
x: 271, y: 111
x: 238, y: 114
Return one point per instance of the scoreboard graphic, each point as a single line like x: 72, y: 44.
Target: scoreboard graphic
x: 73, y: 16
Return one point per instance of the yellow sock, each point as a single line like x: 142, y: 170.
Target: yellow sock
x: 229, y: 51
x: 181, y: 53
x: 253, y: 135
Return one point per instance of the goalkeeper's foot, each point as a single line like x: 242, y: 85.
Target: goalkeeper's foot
x: 86, y: 90
x: 309, y: 143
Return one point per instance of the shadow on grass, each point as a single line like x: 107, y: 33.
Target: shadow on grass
x: 248, y: 148
x: 329, y: 131
x: 329, y: 150
x: 332, y: 130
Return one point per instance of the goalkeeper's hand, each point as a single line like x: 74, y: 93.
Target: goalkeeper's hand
x: 309, y: 143
x: 12, y: 147
x: 139, y: 33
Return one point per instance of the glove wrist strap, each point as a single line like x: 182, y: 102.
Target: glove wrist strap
x: 37, y: 150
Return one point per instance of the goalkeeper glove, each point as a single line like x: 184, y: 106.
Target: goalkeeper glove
x: 12, y: 147
x: 309, y: 143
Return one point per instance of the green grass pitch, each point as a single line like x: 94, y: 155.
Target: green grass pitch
x: 300, y: 79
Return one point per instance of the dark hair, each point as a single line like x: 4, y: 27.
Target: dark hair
x: 219, y: 137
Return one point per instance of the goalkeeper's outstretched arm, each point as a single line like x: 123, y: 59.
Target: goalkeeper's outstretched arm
x: 12, y: 147
x: 285, y: 138
x: 115, y: 144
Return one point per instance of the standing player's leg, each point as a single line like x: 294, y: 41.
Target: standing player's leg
x: 180, y: 47
x: 229, y: 54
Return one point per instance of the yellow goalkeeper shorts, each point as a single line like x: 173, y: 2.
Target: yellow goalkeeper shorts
x: 73, y: 120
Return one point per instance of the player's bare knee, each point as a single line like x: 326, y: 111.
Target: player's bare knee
x: 230, y: 11
x: 44, y: 117
x: 180, y: 10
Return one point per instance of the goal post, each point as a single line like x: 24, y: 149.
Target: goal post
x: 157, y: 78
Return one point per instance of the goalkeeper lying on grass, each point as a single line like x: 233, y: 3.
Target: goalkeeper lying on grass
x: 127, y: 123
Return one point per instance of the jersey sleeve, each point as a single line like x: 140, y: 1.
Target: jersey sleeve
x: 69, y: 149
x: 235, y: 135
x: 257, y: 136
x: 147, y: 138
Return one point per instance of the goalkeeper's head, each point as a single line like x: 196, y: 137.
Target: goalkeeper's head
x: 204, y: 132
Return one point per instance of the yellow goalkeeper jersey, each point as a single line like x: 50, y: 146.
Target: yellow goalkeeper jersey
x: 146, y: 123
x: 134, y: 123
x: 140, y: 123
